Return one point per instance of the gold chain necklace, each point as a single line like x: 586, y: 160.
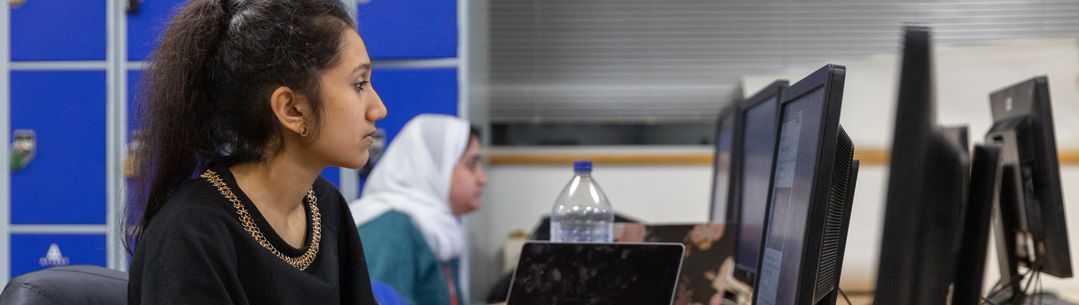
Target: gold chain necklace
x: 300, y: 262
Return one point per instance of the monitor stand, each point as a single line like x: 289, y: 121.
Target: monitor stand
x: 1005, y: 212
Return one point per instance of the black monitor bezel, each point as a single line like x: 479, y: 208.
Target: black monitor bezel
x: 771, y: 93
x: 829, y: 78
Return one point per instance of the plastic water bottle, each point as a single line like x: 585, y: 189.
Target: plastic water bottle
x: 582, y: 213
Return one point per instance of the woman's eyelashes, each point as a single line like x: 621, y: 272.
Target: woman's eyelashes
x: 359, y: 86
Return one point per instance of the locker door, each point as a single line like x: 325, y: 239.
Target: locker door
x: 65, y: 182
x: 42, y: 251
x: 408, y: 29
x: 145, y: 26
x: 37, y: 34
x: 56, y: 86
x: 408, y: 92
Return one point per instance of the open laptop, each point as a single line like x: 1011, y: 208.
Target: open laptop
x: 579, y: 273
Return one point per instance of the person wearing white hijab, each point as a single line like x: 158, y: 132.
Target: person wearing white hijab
x: 409, y: 214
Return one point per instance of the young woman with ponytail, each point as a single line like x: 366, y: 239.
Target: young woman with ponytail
x: 245, y: 103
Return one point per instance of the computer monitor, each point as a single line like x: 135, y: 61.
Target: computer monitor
x: 759, y: 133
x: 804, y: 231
x: 1034, y: 232
x: 984, y: 184
x: 926, y: 189
x: 722, y: 166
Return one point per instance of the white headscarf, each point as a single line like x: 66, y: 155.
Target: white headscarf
x: 413, y: 177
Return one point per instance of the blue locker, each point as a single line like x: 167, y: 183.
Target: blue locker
x: 65, y: 183
x: 145, y: 27
x: 32, y: 252
x: 410, y: 92
x: 409, y: 29
x: 58, y: 30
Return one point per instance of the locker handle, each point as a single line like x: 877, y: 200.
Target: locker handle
x: 16, y: 3
x: 23, y: 149
x: 363, y: 2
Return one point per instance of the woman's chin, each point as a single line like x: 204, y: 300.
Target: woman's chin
x: 355, y: 163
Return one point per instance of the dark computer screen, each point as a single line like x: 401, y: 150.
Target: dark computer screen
x: 792, y: 187
x: 758, y: 147
x: 619, y: 273
x: 722, y: 171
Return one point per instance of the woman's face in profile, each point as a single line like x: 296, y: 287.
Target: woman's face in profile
x: 466, y: 188
x: 350, y: 106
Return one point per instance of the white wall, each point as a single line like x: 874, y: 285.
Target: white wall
x: 649, y: 193
x: 517, y: 195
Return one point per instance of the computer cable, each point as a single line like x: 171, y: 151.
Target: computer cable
x: 998, y: 288
x: 844, y: 296
x: 1039, y: 290
x: 1030, y: 280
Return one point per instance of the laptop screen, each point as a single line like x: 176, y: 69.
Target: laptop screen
x: 557, y: 273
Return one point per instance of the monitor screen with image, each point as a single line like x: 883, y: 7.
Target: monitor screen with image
x: 724, y: 159
x: 756, y: 154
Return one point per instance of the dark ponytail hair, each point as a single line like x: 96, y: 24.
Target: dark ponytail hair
x: 206, y: 96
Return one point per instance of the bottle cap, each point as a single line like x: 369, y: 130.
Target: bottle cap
x: 582, y: 166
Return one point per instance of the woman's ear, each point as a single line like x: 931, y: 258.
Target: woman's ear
x: 291, y: 109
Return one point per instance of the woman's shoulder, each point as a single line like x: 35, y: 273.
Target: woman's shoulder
x: 194, y: 207
x: 391, y: 221
x: 392, y: 227
x: 198, y: 196
x: 392, y: 233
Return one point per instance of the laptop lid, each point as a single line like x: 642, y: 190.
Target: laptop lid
x: 577, y: 273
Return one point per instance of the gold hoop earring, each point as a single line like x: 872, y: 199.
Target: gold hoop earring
x: 303, y: 130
